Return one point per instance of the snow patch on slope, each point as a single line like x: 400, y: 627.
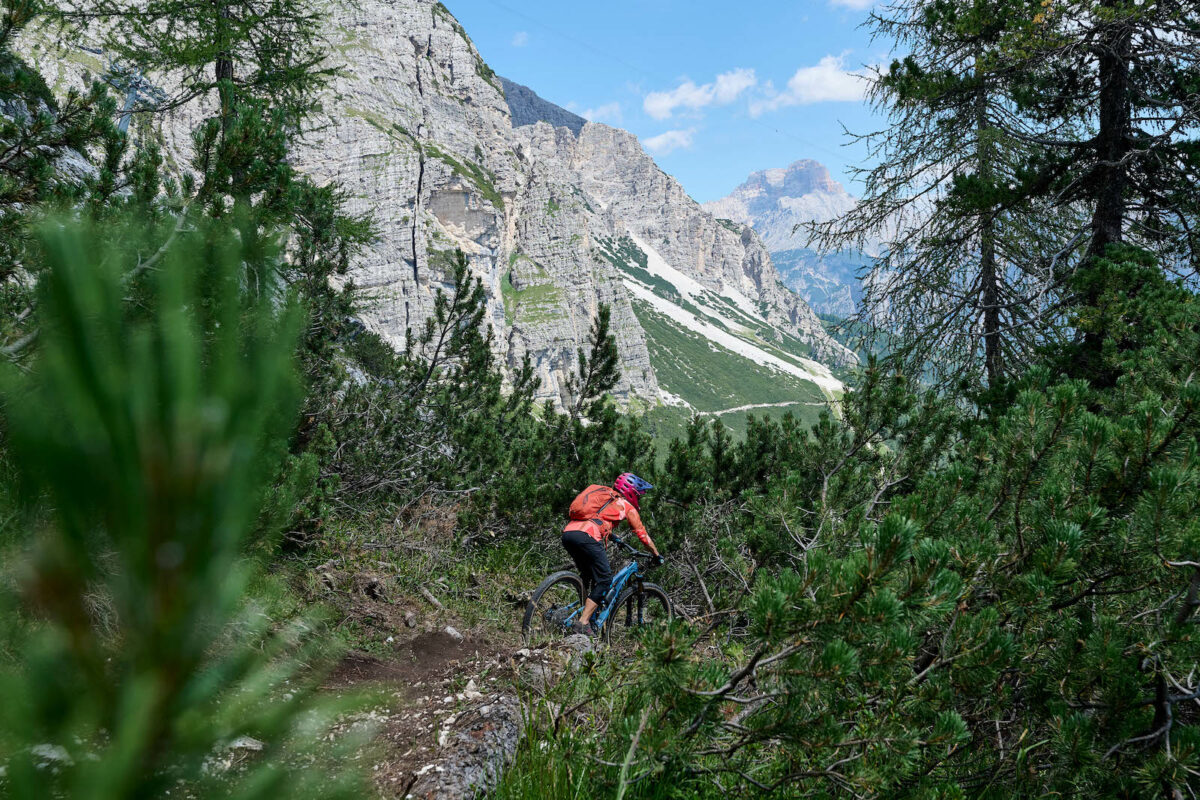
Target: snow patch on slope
x: 699, y: 296
x: 815, y: 373
x: 741, y: 301
x: 656, y: 265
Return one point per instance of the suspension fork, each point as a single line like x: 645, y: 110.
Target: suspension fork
x: 639, y: 594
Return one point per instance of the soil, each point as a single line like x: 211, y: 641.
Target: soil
x: 425, y: 657
x: 421, y: 687
x: 433, y: 689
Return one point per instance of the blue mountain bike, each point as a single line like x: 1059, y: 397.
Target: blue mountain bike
x: 631, y: 605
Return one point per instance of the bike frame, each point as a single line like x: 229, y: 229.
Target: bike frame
x: 630, y: 570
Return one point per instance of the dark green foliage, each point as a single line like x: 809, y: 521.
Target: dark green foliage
x: 152, y: 430
x: 266, y: 50
x: 154, y: 438
x: 599, y: 370
x: 939, y: 604
x: 39, y: 133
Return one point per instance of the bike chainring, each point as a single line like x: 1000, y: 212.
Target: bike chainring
x: 556, y: 617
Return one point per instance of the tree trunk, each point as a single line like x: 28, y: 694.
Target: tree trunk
x: 223, y: 68
x: 1111, y: 173
x: 989, y: 278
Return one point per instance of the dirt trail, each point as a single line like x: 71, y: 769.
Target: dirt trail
x: 736, y: 409
x: 445, y: 712
x: 428, y: 689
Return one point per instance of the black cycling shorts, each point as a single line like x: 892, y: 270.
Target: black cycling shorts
x: 591, y: 561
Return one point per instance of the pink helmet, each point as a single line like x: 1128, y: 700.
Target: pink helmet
x: 631, y: 487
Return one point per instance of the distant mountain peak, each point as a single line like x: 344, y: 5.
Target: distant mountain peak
x: 774, y: 201
x: 795, y: 180
x: 778, y: 203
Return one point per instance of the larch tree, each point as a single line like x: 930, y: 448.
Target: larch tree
x: 959, y: 287
x: 1125, y: 74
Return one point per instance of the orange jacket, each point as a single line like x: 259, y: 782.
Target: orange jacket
x: 609, y: 516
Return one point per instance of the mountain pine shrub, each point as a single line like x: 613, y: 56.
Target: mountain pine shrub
x: 151, y: 437
x: 939, y: 603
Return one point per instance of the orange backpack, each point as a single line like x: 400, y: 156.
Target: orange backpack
x: 590, y: 502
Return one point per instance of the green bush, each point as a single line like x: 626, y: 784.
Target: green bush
x: 151, y: 435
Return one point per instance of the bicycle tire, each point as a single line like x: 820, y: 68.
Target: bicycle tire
x: 565, y: 579
x: 624, y: 618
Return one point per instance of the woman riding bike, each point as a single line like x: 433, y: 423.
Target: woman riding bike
x: 593, y: 514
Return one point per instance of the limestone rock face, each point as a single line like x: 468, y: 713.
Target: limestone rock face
x: 611, y: 167
x: 418, y: 131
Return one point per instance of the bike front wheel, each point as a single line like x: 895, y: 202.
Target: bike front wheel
x: 552, y: 603
x: 635, y: 612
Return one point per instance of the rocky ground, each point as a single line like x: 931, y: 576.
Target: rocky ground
x: 447, y: 700
x: 450, y: 713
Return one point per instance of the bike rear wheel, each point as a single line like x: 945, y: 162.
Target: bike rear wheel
x: 559, y: 596
x: 636, y: 612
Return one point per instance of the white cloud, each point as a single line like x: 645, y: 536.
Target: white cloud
x: 670, y: 141
x: 725, y: 89
x: 609, y: 112
x: 520, y: 39
x: 827, y: 82
x: 733, y: 83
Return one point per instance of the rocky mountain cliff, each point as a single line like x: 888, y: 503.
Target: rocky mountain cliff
x: 556, y: 214
x: 774, y: 202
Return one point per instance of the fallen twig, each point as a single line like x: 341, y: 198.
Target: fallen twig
x: 428, y: 595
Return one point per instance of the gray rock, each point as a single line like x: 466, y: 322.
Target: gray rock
x: 51, y: 755
x: 474, y: 750
x: 536, y: 676
x: 246, y: 743
x: 419, y: 132
x: 580, y: 643
x: 527, y: 108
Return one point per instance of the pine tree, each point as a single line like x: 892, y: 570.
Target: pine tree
x: 1027, y: 138
x: 960, y: 290
x: 599, y: 369
x: 153, y: 441
x: 239, y: 50
x: 1125, y: 73
x: 265, y: 63
x: 47, y: 145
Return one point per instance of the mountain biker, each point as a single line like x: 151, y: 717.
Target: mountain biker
x: 593, y: 514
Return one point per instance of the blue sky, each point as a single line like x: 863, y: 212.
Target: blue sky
x: 715, y: 90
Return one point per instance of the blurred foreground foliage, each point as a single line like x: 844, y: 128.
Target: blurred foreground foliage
x: 145, y: 440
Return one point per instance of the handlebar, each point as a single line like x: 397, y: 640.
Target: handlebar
x: 633, y: 551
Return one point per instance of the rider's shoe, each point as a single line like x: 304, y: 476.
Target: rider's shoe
x: 588, y: 630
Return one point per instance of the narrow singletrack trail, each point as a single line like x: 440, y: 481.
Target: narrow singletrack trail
x: 418, y: 692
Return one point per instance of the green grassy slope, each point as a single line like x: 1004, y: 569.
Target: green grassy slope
x: 711, y: 378
x: 714, y: 380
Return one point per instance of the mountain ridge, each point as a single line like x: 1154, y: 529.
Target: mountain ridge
x: 421, y: 132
